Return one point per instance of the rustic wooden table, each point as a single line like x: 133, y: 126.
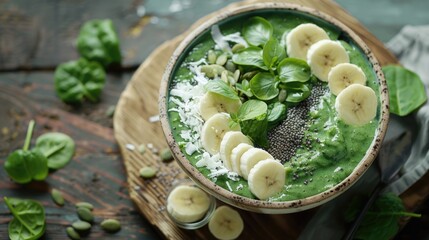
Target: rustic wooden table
x: 36, y: 36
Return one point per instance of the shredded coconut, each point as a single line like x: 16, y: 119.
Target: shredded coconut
x: 229, y: 186
x: 338, y: 169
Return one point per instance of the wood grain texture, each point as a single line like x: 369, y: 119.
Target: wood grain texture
x: 139, y: 102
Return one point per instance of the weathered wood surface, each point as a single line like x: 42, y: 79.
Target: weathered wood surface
x: 132, y: 126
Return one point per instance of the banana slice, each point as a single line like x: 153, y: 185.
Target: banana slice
x: 323, y: 55
x: 229, y: 141
x: 187, y: 203
x: 267, y: 178
x: 343, y: 75
x: 250, y: 158
x: 236, y: 154
x: 213, y: 131
x: 299, y: 39
x: 212, y: 103
x: 226, y: 223
x: 356, y: 104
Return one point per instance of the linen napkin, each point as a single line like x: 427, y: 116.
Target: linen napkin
x: 412, y: 49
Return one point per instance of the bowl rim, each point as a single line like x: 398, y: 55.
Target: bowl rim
x: 262, y: 206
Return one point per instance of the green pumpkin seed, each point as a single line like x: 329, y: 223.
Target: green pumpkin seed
x: 282, y: 95
x: 81, y: 226
x: 110, y: 111
x: 57, y: 196
x: 236, y: 75
x: 166, y: 155
x: 230, y: 66
x: 85, y: 214
x: 231, y: 80
x: 221, y: 60
x: 211, y: 56
x: 111, y: 225
x: 84, y: 205
x: 249, y: 75
x: 142, y: 149
x: 237, y: 47
x: 148, y: 172
x: 212, y: 70
x: 72, y: 234
x: 224, y: 76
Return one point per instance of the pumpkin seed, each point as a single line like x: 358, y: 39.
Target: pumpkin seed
x: 230, y: 66
x: 221, y: 60
x: 84, y: 205
x: 111, y: 225
x: 231, y: 80
x: 282, y: 95
x: 148, y: 172
x: 72, y: 234
x: 110, y: 111
x: 249, y: 75
x: 57, y: 196
x: 236, y: 75
x: 211, y: 57
x: 166, y: 155
x: 237, y: 47
x: 85, y: 214
x: 81, y: 225
x: 224, y: 76
x: 212, y: 70
x: 142, y: 149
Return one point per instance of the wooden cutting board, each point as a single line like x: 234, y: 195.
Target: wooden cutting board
x: 133, y: 127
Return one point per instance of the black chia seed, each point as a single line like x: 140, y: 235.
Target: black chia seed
x: 287, y: 137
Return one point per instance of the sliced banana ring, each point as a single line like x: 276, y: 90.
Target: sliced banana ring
x: 212, y: 103
x: 356, y: 104
x: 229, y: 141
x: 343, y: 75
x: 213, y: 131
x: 226, y: 223
x: 267, y: 178
x: 250, y: 158
x: 299, y: 39
x: 324, y: 55
x: 236, y: 154
x: 187, y: 204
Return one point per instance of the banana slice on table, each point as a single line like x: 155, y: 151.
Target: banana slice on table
x: 229, y: 141
x: 343, y: 75
x: 213, y: 131
x: 267, y: 178
x: 356, y: 104
x: 323, y: 55
x: 299, y: 39
x: 236, y: 154
x: 250, y: 158
x: 212, y: 103
x: 226, y: 223
x: 188, y: 203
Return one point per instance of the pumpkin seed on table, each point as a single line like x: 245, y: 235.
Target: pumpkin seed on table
x: 84, y: 205
x: 148, y: 172
x: 85, y: 214
x: 166, y: 155
x: 57, y: 196
x: 72, y: 234
x: 111, y: 225
x: 81, y: 225
x: 142, y: 149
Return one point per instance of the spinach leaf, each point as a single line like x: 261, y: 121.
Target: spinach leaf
x: 57, y: 147
x: 75, y: 80
x: 221, y: 88
x: 296, y: 91
x: 381, y: 221
x: 293, y: 70
x: 251, y: 56
x: 244, y: 87
x: 406, y: 90
x: 23, y: 165
x: 29, y: 219
x: 252, y: 109
x: 273, y: 53
x: 257, y: 31
x: 264, y: 86
x: 276, y: 113
x: 97, y: 41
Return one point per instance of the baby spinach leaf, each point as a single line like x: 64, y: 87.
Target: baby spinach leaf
x: 29, y: 219
x: 251, y: 56
x: 221, y: 88
x: 244, y: 87
x: 276, y: 113
x: 293, y: 70
x: 80, y: 79
x: 273, y: 53
x: 23, y: 165
x: 264, y: 86
x: 257, y: 31
x: 296, y: 92
x: 97, y: 41
x: 252, y: 109
x: 57, y: 147
x: 406, y: 90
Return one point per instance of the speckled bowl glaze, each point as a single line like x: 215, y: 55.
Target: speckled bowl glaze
x: 253, y: 204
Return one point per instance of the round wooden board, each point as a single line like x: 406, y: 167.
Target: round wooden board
x: 132, y: 128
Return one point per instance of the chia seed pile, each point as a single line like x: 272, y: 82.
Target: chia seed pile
x: 287, y: 137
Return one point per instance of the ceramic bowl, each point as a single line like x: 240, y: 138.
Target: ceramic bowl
x: 258, y: 205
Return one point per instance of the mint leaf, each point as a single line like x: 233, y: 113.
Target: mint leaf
x: 252, y: 109
x: 406, y: 90
x: 273, y: 53
x: 256, y: 130
x: 264, y: 86
x: 257, y: 31
x: 244, y: 87
x: 276, y: 113
x: 221, y: 88
x: 251, y: 56
x: 293, y: 70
